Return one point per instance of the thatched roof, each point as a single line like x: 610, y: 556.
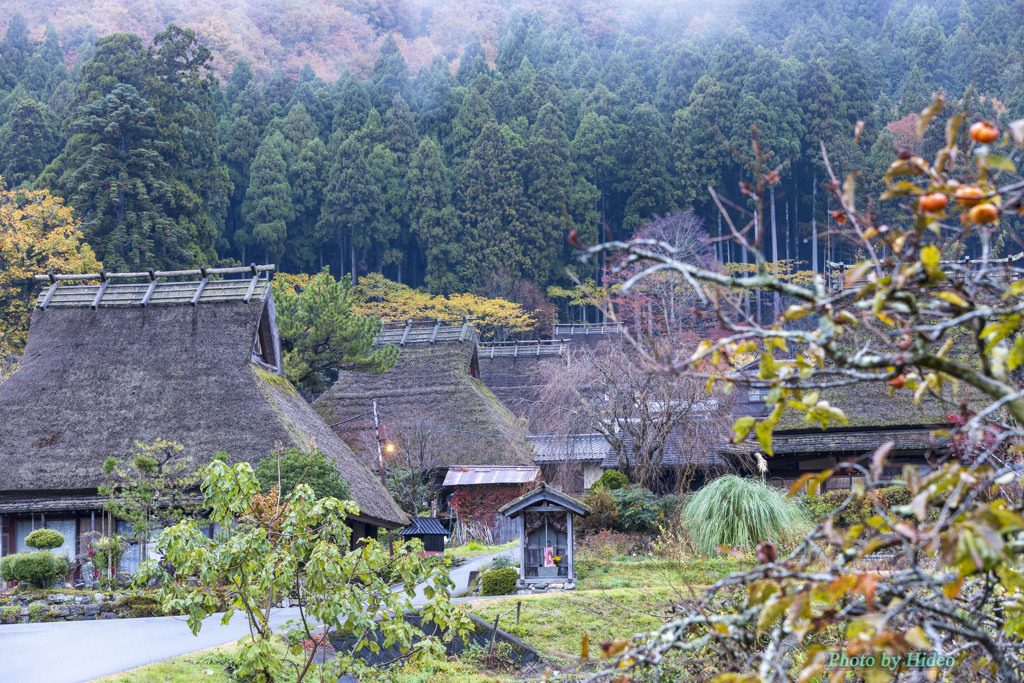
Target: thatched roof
x: 92, y: 382
x: 430, y: 389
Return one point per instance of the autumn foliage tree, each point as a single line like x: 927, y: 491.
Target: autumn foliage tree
x: 909, y: 319
x: 38, y: 233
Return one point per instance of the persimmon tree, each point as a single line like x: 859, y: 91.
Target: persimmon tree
x: 297, y: 546
x: 38, y: 233
x: 906, y: 319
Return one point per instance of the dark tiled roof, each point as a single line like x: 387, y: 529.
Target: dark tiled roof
x: 847, y: 440
x: 424, y: 526
x: 578, y: 447
x: 675, y: 454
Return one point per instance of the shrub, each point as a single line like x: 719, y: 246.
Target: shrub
x: 611, y: 480
x: 44, y: 539
x: 499, y: 581
x: 638, y: 509
x: 859, y: 510
x: 503, y: 562
x: 607, y: 544
x: 7, y: 568
x: 737, y: 511
x: 604, y: 513
x: 40, y: 568
x: 141, y: 606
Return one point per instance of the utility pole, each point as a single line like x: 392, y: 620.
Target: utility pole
x: 380, y: 457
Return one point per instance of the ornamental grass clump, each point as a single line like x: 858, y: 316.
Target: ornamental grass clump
x: 740, y: 512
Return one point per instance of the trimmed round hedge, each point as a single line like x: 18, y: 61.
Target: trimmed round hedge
x: 45, y: 539
x: 40, y: 568
x: 611, y: 480
x: 499, y: 581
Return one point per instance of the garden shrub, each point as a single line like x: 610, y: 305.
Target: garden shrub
x: 40, y: 568
x: 604, y: 513
x: 499, y: 581
x: 859, y: 510
x: 638, y: 509
x: 44, y: 539
x: 611, y: 480
x: 741, y: 512
x: 503, y: 562
x: 141, y: 606
x: 607, y: 544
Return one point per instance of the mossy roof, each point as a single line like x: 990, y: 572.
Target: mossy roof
x: 93, y: 382
x: 429, y: 390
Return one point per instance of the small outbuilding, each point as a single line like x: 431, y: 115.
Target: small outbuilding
x: 429, y: 530
x: 546, y: 536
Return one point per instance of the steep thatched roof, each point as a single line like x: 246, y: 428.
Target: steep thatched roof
x: 92, y: 382
x: 430, y: 389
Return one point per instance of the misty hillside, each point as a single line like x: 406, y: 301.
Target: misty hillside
x: 450, y: 145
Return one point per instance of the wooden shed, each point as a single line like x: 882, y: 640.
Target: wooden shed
x: 429, y: 530
x: 546, y: 536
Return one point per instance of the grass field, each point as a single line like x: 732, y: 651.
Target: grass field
x: 474, y: 549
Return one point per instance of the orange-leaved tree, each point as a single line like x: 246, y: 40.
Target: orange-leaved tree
x: 38, y: 233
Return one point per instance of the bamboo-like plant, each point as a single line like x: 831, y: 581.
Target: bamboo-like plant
x: 740, y: 512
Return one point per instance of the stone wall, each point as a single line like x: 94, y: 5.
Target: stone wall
x: 73, y: 605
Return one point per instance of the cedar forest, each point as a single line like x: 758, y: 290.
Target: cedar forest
x: 451, y: 146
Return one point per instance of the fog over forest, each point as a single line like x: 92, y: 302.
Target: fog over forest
x: 450, y: 145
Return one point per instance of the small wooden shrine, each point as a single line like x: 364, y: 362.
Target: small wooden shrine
x: 546, y: 536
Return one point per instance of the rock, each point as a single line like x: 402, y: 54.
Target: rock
x: 570, y: 586
x: 540, y: 586
x: 60, y: 598
x: 91, y: 610
x: 39, y: 603
x: 98, y: 597
x: 556, y: 586
x: 108, y: 615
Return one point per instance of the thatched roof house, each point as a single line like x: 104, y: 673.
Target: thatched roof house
x: 433, y: 401
x: 193, y: 362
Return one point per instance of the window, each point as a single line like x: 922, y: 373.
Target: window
x: 264, y: 347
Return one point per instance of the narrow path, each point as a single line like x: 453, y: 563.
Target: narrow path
x: 76, y: 651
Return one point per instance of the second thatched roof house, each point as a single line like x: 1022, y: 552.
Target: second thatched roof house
x: 193, y: 362
x: 432, y: 402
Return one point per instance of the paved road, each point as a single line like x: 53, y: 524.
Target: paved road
x: 75, y: 651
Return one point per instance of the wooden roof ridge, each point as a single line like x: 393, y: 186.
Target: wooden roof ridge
x: 427, y: 331
x: 155, y: 291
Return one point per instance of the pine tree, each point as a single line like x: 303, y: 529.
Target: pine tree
x: 433, y: 219
x: 268, y: 201
x: 115, y: 179
x: 548, y: 174
x: 701, y: 156
x: 390, y: 74
x: 27, y: 142
x: 645, y: 177
x: 492, y: 192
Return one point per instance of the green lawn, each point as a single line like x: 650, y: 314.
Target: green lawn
x: 205, y: 665
x: 614, y: 599
x: 474, y: 549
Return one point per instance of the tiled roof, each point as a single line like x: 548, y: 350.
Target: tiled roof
x: 675, y: 454
x: 472, y: 475
x: 578, y: 447
x: 424, y: 526
x: 848, y: 440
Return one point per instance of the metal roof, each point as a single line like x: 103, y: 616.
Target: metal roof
x: 476, y: 475
x: 424, y: 526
